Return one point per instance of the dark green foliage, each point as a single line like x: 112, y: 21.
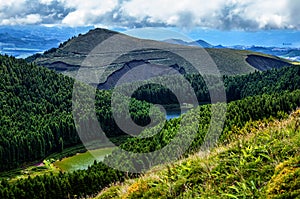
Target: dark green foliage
x: 89, y: 182
x: 65, y: 43
x: 73, y: 185
x: 52, y: 50
x: 36, y: 113
x: 258, y: 83
x: 237, y: 87
x: 33, y: 57
x: 35, y: 107
x: 36, y: 120
x: 238, y: 114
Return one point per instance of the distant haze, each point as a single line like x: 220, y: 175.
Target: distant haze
x: 267, y: 38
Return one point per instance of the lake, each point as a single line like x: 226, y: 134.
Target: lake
x: 82, y: 160
x: 175, y: 113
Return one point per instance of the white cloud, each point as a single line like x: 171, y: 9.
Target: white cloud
x: 86, y: 13
x: 29, y: 19
x: 218, y: 14
x: 264, y: 14
x: 46, y: 2
x: 11, y: 3
x: 169, y: 12
x: 267, y: 13
x: 9, y: 8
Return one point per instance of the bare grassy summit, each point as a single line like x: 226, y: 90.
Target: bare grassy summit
x: 72, y: 53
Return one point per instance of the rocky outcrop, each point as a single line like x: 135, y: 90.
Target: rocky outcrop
x: 145, y: 71
x: 263, y: 63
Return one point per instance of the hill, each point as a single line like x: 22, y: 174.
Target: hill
x: 22, y: 41
x: 236, y: 87
x: 28, y: 125
x: 36, y: 113
x: 36, y: 106
x: 71, y: 54
x: 199, y: 42
x: 237, y: 167
x: 262, y: 161
x: 285, y: 52
x: 290, y: 53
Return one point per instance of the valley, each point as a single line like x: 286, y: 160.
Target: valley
x: 137, y: 99
x: 44, y: 129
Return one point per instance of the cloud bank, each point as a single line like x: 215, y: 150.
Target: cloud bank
x: 217, y: 14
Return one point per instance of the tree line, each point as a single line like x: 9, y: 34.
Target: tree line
x: 36, y: 113
x: 236, y: 87
x: 36, y: 120
x: 89, y: 182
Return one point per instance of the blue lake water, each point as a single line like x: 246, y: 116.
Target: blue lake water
x: 20, y: 53
x: 174, y: 114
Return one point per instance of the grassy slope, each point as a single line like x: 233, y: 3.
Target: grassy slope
x: 233, y: 62
x: 263, y: 162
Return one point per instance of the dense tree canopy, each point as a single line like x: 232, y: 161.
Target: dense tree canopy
x: 36, y: 113
x: 95, y: 178
x: 36, y: 120
x: 237, y: 87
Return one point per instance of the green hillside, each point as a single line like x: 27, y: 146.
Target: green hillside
x: 36, y: 113
x: 71, y: 54
x: 36, y: 120
x: 88, y: 182
x: 236, y: 87
x: 262, y: 161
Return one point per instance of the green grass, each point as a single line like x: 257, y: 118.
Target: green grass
x: 80, y: 148
x: 82, y: 160
x: 295, y: 63
x: 229, y: 61
x: 263, y: 162
x: 32, y: 171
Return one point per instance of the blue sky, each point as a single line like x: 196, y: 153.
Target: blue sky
x: 271, y: 38
x: 226, y: 22
x: 277, y: 37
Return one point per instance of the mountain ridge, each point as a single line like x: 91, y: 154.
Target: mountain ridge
x: 290, y: 53
x: 199, y: 42
x: 69, y: 56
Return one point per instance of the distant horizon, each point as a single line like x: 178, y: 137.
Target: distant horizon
x: 265, y: 38
x: 23, y: 41
x: 221, y: 22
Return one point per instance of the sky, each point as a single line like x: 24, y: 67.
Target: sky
x: 195, y: 17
